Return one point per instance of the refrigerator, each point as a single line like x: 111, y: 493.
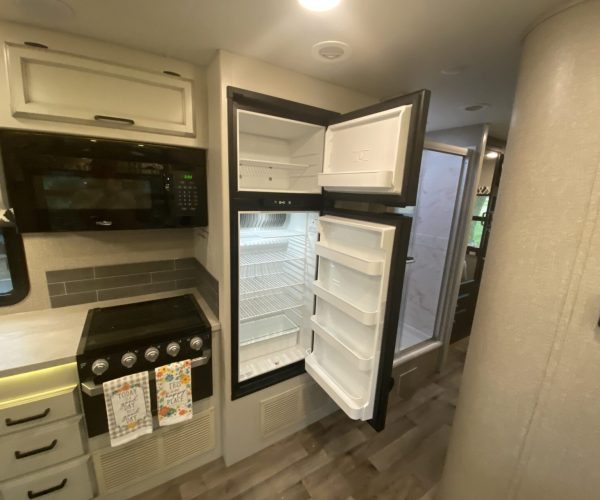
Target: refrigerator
x: 317, y: 254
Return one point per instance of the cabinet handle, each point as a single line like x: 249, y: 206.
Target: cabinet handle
x: 105, y: 118
x: 25, y: 454
x: 10, y: 421
x: 35, y: 494
x: 104, y: 223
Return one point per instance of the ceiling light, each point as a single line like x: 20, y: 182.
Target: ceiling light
x: 492, y: 155
x: 319, y: 5
x: 476, y: 107
x: 331, y: 51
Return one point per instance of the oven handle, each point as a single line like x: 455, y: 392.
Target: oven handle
x: 91, y: 389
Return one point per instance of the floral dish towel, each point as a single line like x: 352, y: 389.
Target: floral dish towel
x: 128, y: 407
x: 174, y: 392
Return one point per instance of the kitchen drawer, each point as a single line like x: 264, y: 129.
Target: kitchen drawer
x: 42, y: 446
x: 39, y: 409
x: 67, y: 481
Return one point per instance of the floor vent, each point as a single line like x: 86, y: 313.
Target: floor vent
x: 184, y: 441
x: 281, y: 410
x: 120, y: 466
x: 125, y: 465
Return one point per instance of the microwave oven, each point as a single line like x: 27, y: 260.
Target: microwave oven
x: 73, y: 183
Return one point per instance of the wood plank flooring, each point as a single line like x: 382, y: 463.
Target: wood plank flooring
x: 337, y: 458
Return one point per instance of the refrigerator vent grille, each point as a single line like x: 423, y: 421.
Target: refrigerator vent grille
x: 282, y: 410
x: 119, y: 467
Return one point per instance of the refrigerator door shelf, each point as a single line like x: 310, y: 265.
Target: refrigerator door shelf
x: 367, y: 318
x: 361, y: 263
x: 353, y: 407
x: 360, y: 361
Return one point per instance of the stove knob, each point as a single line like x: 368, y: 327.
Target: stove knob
x: 196, y: 343
x: 173, y: 349
x: 99, y: 366
x: 151, y: 354
x: 128, y: 359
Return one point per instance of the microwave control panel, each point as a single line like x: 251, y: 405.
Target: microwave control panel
x: 185, y: 192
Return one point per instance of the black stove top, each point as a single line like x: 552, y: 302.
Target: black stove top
x: 111, y: 327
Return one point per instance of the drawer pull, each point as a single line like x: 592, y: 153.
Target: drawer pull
x: 25, y: 454
x: 118, y: 119
x: 35, y: 494
x: 10, y: 421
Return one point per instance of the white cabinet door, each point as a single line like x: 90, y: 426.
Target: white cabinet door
x: 351, y: 300
x: 367, y: 154
x: 57, y: 86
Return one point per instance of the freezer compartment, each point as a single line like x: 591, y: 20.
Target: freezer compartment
x: 277, y: 154
x: 367, y: 154
x: 358, y: 338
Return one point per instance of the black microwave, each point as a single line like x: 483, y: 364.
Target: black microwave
x: 71, y: 183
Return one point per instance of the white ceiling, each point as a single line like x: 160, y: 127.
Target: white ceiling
x: 397, y: 45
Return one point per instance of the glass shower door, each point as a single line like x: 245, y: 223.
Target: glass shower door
x: 433, y: 217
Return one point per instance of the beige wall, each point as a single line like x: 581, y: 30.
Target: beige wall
x: 241, y: 424
x: 527, y: 421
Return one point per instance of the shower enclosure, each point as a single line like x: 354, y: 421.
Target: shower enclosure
x: 437, y: 236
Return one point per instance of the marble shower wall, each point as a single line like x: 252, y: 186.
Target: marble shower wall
x: 438, y: 185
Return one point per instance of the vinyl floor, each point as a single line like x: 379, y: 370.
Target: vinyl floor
x: 337, y: 458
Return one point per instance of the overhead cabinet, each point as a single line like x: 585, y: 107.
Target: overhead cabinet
x: 57, y: 86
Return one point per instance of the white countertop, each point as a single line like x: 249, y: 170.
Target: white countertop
x: 38, y: 339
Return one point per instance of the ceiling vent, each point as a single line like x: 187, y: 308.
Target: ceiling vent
x: 331, y: 51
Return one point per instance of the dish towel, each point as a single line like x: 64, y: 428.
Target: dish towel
x: 128, y: 407
x: 174, y: 392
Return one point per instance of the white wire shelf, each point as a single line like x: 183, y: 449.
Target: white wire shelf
x: 265, y: 305
x: 270, y: 269
x: 257, y: 234
x: 270, y: 282
x: 269, y: 328
x: 247, y: 162
x: 253, y: 258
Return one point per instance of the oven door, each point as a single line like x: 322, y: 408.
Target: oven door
x: 63, y: 183
x: 94, y: 407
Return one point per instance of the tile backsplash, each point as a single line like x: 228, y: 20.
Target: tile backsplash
x: 68, y: 287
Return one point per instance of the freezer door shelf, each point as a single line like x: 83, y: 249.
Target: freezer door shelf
x: 355, y: 408
x: 357, y: 181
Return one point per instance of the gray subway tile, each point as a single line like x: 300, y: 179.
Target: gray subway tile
x: 180, y: 274
x: 55, y: 289
x: 187, y: 283
x: 63, y: 275
x: 134, y: 268
x: 73, y: 299
x: 132, y: 291
x: 189, y: 263
x: 106, y: 283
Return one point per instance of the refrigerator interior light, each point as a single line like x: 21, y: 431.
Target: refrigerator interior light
x: 319, y: 5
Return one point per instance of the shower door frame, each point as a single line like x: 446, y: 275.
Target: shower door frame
x: 457, y: 246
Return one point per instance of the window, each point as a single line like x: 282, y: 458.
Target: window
x: 478, y: 223
x: 14, y: 281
